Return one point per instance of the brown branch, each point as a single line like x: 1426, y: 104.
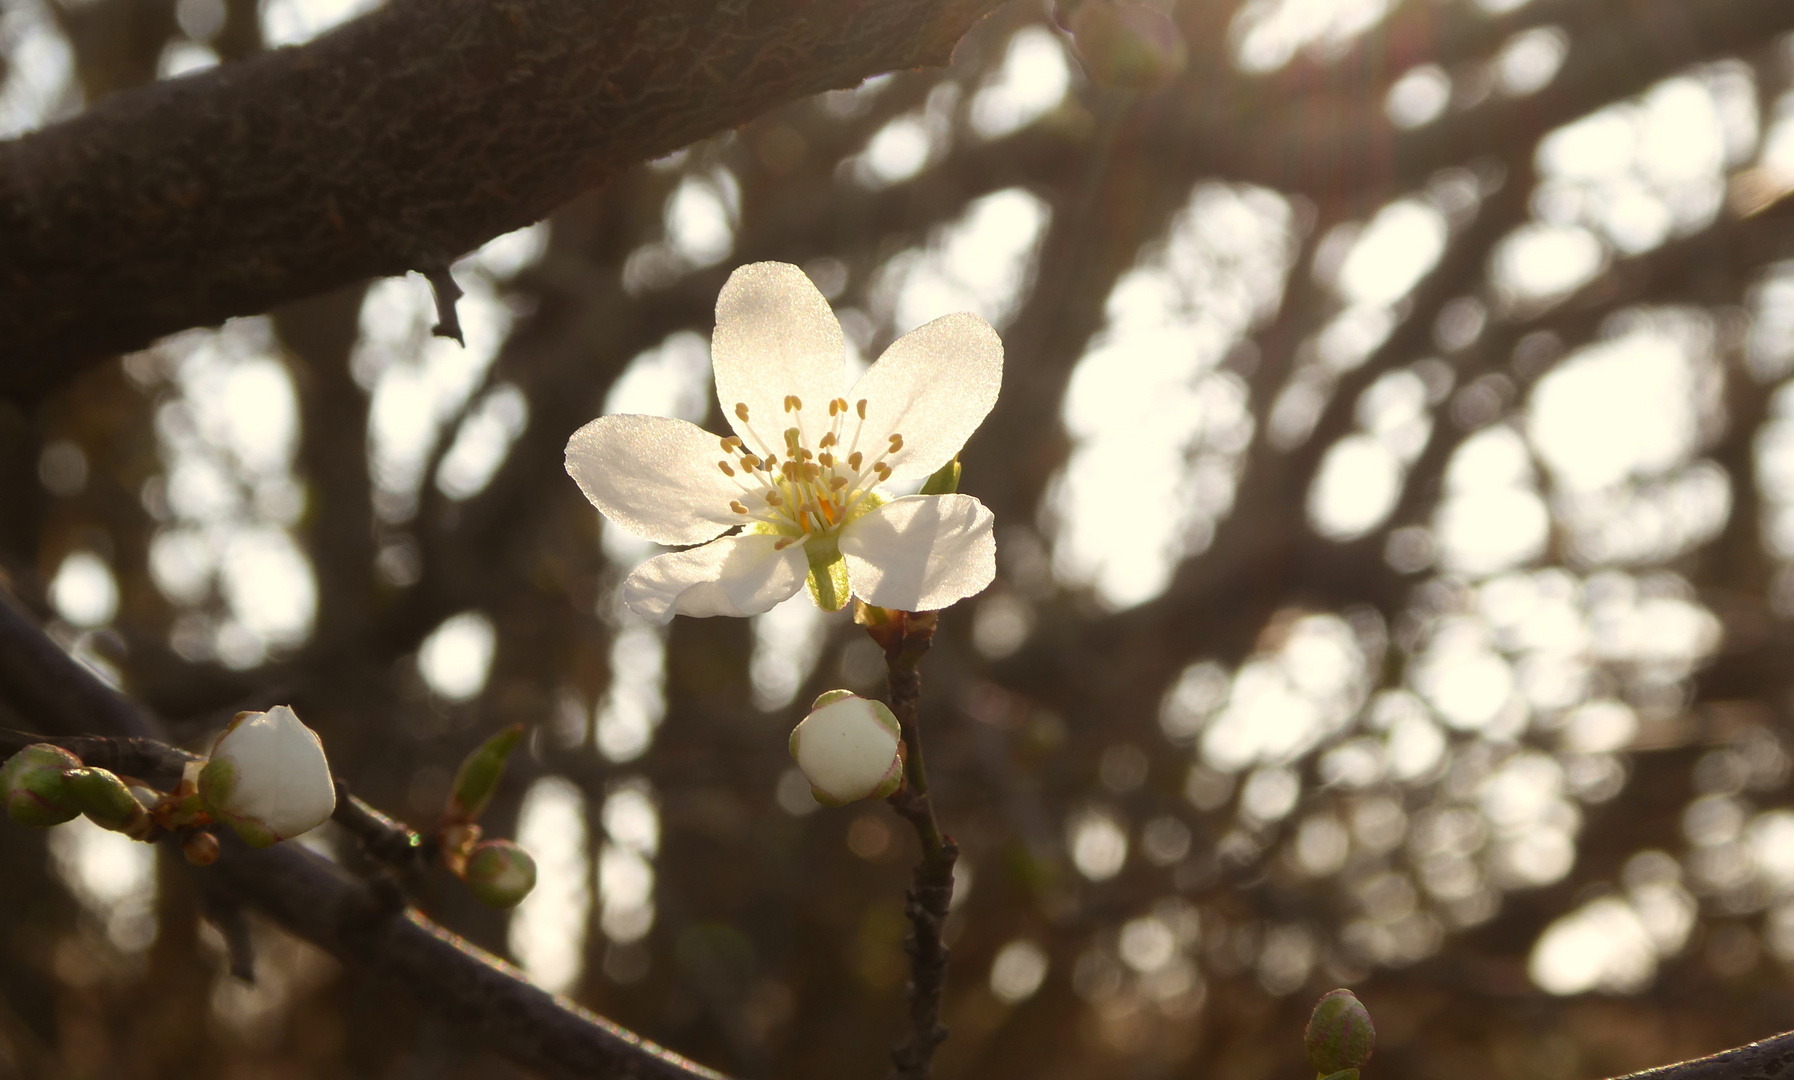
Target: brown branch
x: 364, y: 924
x: 401, y: 139
x: 906, y: 640
x: 1758, y: 1061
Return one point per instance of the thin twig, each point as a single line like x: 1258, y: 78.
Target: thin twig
x: 906, y: 641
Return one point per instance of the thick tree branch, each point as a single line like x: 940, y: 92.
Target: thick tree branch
x: 361, y: 923
x: 396, y: 142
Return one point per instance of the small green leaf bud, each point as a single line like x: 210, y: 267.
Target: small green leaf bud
x: 499, y: 873
x: 33, y: 783
x: 944, y: 480
x: 477, y: 778
x: 849, y: 748
x: 1339, y: 1036
x: 106, y: 801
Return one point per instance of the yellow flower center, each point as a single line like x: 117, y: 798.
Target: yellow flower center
x: 807, y: 492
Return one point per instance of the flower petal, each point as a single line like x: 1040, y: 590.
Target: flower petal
x: 921, y: 552
x: 934, y: 386
x: 654, y: 476
x: 736, y: 575
x: 776, y: 336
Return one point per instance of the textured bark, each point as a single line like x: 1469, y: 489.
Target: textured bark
x: 397, y: 142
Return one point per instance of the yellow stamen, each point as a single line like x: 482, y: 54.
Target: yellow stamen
x: 854, y: 459
x: 741, y: 411
x: 896, y: 443
x: 724, y: 466
x: 860, y: 408
x: 737, y: 507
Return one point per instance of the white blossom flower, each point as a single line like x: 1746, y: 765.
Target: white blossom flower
x: 803, y: 473
x: 268, y: 778
x: 848, y: 749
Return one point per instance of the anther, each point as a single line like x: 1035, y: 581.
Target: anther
x: 724, y: 466
x: 841, y: 401
x: 803, y: 454
x: 749, y: 461
x: 883, y: 471
x: 741, y: 412
x: 793, y: 403
x: 828, y: 439
x: 834, y: 406
x: 896, y: 443
x: 736, y: 506
x: 811, y: 472
x: 792, y: 435
x: 730, y: 443
x: 826, y: 460
x: 860, y: 408
x: 837, y: 483
x: 773, y: 499
x: 854, y: 459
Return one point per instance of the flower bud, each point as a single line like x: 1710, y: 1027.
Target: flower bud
x: 268, y: 778
x: 479, y: 774
x: 33, y: 784
x: 1127, y: 45
x: 106, y: 801
x: 848, y: 748
x: 499, y: 873
x: 1339, y: 1036
x: 200, y: 848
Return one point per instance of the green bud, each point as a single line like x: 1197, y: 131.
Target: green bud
x: 499, y: 873
x: 106, y: 800
x: 1339, y: 1036
x: 34, y: 784
x: 477, y: 778
x: 943, y: 481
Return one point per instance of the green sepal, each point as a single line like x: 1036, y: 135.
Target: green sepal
x: 943, y: 481
x: 477, y: 779
x: 829, y: 697
x: 828, y: 582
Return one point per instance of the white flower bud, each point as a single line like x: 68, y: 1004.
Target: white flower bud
x: 267, y: 778
x: 848, y: 748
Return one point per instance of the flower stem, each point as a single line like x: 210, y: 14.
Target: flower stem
x: 905, y: 637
